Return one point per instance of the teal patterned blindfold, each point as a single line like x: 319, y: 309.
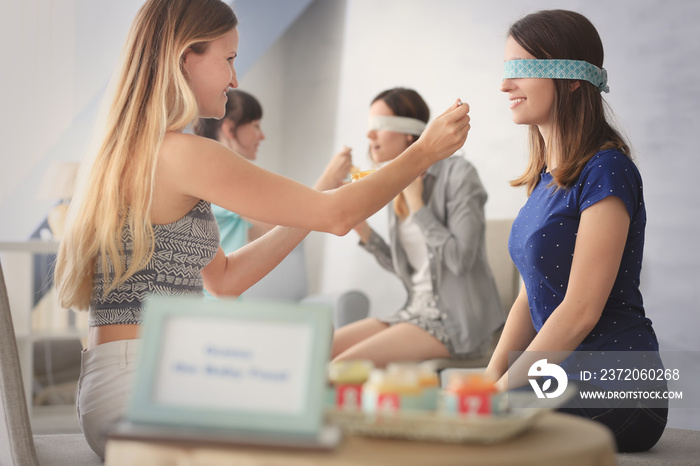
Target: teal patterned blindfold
x: 557, y: 69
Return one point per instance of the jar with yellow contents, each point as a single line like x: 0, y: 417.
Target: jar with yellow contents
x: 346, y: 379
x: 401, y: 387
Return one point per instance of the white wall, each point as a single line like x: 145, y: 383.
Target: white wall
x: 60, y: 56
x: 261, y: 22
x: 297, y: 82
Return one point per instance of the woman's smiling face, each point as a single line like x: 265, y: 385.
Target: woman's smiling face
x: 531, y: 99
x: 211, y: 74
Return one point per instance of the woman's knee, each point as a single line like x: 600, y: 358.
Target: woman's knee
x: 350, y: 335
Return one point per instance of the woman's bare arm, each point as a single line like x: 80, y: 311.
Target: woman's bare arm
x: 600, y: 242
x: 517, y: 334
x: 234, y: 273
x: 198, y: 168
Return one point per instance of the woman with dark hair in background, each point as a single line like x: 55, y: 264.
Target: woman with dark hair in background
x: 437, y: 249
x: 240, y: 130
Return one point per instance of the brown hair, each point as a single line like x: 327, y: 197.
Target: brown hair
x: 404, y: 103
x: 581, y: 126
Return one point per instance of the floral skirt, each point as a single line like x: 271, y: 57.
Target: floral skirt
x: 422, y: 312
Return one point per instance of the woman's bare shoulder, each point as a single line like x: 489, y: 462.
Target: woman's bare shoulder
x: 176, y: 143
x: 201, y: 168
x: 185, y: 149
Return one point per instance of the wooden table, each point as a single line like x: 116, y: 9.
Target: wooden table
x: 555, y: 439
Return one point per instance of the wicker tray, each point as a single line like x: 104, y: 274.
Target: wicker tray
x: 434, y: 426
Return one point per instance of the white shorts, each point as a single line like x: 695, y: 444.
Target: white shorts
x: 104, y: 386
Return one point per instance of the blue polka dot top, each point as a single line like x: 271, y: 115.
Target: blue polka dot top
x: 542, y: 243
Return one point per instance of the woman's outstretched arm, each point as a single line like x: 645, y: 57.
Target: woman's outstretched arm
x: 234, y: 273
x: 600, y: 242
x: 198, y: 168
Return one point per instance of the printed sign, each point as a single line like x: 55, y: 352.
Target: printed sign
x: 234, y: 365
x: 242, y: 365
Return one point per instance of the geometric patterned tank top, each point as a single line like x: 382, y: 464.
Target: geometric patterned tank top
x: 182, y: 249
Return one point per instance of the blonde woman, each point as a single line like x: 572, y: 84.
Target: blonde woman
x: 148, y: 195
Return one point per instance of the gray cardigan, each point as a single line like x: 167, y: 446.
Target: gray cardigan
x: 453, y: 224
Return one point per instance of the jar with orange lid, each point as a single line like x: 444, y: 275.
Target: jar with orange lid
x: 470, y: 395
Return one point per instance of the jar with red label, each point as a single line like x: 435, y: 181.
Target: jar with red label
x: 470, y: 395
x: 346, y: 379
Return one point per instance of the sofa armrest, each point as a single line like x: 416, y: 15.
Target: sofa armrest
x: 347, y: 306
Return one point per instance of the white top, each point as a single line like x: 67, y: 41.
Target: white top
x: 413, y: 242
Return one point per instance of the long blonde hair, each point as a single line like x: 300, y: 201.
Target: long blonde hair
x: 151, y: 96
